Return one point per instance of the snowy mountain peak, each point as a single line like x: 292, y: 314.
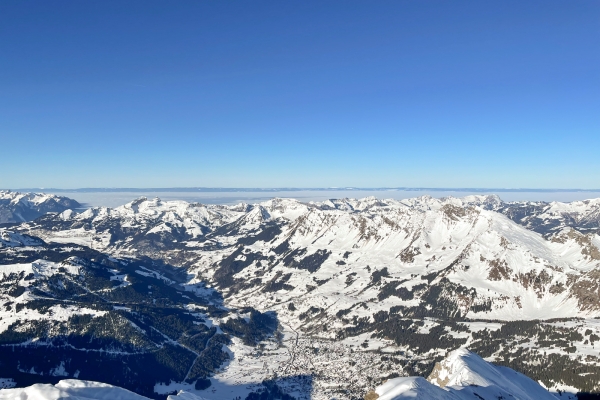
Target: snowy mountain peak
x: 258, y: 215
x: 289, y: 209
x: 21, y: 207
x: 461, y: 369
x: 463, y: 375
x: 406, y: 388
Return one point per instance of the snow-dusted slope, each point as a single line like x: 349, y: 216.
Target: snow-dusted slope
x: 22, y: 281
x: 13, y: 239
x: 19, y: 207
x: 70, y: 311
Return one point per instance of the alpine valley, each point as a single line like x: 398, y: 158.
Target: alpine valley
x: 453, y: 298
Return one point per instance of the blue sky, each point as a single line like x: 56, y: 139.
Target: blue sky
x: 300, y: 94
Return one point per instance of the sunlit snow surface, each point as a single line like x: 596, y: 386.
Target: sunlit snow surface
x: 79, y: 390
x: 464, y: 375
x: 70, y: 389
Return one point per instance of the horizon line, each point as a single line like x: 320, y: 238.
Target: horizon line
x: 297, y: 189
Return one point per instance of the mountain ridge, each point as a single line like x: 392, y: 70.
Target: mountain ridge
x: 18, y: 207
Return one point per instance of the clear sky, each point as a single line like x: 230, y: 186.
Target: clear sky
x: 300, y: 93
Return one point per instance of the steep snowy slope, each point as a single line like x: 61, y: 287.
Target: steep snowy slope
x: 463, y: 375
x: 19, y: 207
x: 465, y: 372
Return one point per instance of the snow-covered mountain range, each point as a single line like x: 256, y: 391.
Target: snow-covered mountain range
x: 20, y: 207
x: 363, y: 249
x: 395, y: 285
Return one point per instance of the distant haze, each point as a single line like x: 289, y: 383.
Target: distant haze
x: 117, y: 197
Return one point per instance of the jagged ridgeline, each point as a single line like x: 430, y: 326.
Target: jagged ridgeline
x: 69, y: 311
x: 390, y: 284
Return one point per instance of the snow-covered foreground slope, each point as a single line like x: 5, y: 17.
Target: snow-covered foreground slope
x: 70, y: 389
x: 412, y: 388
x: 19, y: 207
x: 463, y: 375
x: 74, y: 389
